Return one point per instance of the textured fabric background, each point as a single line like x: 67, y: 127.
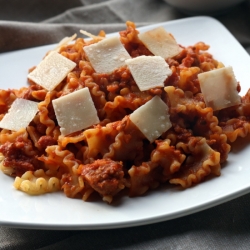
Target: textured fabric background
x: 30, y: 23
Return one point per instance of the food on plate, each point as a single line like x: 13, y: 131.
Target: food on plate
x: 121, y: 115
x: 106, y: 55
x: 51, y: 71
x: 160, y: 42
x: 219, y: 96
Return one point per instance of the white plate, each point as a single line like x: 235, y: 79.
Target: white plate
x: 55, y: 211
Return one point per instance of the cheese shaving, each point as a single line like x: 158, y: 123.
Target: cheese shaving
x: 51, y: 70
x: 75, y: 111
x: 86, y: 33
x: 160, y: 42
x: 66, y: 40
x: 219, y: 88
x: 20, y: 114
x: 154, y: 110
x: 107, y: 55
x: 149, y: 71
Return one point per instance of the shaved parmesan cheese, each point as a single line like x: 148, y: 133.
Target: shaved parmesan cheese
x: 149, y: 71
x: 86, y: 33
x: 66, y: 40
x: 75, y: 111
x: 51, y: 70
x: 20, y: 114
x: 107, y: 55
x: 160, y: 42
x: 219, y: 88
x: 152, y: 118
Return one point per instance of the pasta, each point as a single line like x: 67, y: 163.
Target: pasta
x: 35, y: 183
x: 114, y: 155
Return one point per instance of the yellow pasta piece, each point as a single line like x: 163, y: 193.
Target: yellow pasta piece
x: 36, y: 183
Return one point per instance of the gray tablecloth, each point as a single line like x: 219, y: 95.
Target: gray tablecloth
x: 29, y: 23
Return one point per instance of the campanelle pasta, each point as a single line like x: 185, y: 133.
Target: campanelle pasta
x: 114, y: 154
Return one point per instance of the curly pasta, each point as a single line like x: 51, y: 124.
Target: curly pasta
x: 43, y: 113
x: 37, y: 183
x: 201, y: 162
x: 165, y: 161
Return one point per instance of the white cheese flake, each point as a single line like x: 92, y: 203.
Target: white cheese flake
x: 51, y: 70
x: 152, y: 118
x: 75, y: 111
x: 20, y: 114
x: 160, y: 42
x: 107, y: 55
x: 219, y: 88
x: 66, y: 40
x: 86, y: 33
x: 149, y: 71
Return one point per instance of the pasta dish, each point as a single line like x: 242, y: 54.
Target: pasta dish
x: 121, y: 115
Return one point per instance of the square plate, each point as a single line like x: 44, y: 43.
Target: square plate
x: 55, y: 211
